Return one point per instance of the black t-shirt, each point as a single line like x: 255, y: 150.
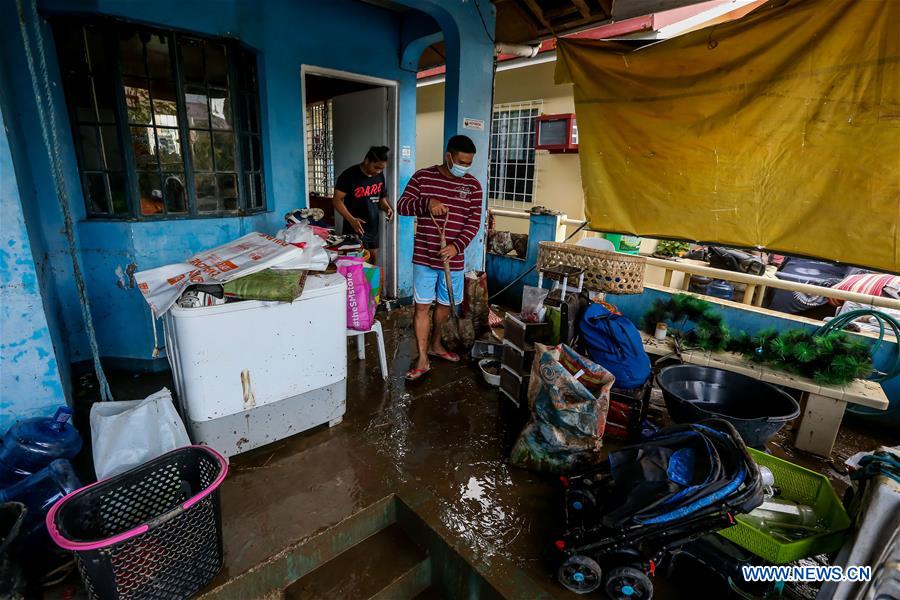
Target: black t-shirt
x: 363, y: 195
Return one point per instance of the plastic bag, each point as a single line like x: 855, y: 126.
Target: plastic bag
x: 360, y: 307
x: 313, y: 256
x: 373, y: 276
x: 533, y: 303
x: 127, y: 434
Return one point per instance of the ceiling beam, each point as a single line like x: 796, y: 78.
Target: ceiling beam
x: 537, y: 12
x: 582, y: 8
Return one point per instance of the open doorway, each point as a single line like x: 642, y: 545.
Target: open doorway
x: 346, y: 114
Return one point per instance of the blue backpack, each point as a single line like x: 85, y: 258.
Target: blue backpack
x: 615, y: 343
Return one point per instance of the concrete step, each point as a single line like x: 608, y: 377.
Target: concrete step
x: 386, y: 565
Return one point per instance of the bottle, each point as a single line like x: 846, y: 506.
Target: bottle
x: 39, y: 491
x: 785, y: 512
x: 31, y: 445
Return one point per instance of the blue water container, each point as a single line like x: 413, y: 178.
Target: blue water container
x: 31, y: 445
x: 720, y: 289
x: 39, y: 491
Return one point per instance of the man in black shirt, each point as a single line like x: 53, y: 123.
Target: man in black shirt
x: 360, y: 193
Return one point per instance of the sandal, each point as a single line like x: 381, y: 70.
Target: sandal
x: 448, y: 356
x: 416, y: 374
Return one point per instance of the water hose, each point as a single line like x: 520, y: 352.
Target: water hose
x: 884, y: 321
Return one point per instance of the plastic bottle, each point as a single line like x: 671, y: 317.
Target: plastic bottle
x: 31, y: 445
x: 39, y: 491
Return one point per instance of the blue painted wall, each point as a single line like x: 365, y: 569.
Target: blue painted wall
x: 501, y: 270
x: 30, y: 379
x: 286, y: 34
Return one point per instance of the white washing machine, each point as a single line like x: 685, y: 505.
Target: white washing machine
x: 250, y: 373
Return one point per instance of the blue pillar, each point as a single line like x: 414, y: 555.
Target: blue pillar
x: 468, y: 33
x: 30, y: 380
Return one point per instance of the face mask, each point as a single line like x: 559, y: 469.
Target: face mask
x: 457, y: 170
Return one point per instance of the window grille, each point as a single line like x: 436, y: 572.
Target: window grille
x: 512, y: 166
x: 320, y: 148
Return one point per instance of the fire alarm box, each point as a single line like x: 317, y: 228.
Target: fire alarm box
x: 557, y: 133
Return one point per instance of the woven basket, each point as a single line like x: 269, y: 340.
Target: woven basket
x: 611, y: 272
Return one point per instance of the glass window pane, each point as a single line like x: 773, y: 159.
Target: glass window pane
x: 227, y: 184
x: 206, y: 193
x: 216, y: 65
x: 223, y: 146
x: 252, y: 115
x: 81, y: 97
x: 111, y: 151
x: 169, y: 144
x: 165, y: 111
x: 92, y: 157
x: 105, y: 93
x: 137, y: 100
x: 144, y: 144
x: 151, y: 193
x: 255, y: 156
x: 192, y: 61
x: 95, y: 192
x: 158, y: 57
x: 131, y: 53
x: 175, y: 192
x: 220, y: 109
x: 119, y: 193
x: 70, y: 45
x: 96, y: 50
x: 197, y: 108
x: 201, y: 151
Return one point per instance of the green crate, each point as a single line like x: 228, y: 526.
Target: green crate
x: 804, y: 487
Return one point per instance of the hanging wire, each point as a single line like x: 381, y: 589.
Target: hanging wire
x: 50, y: 136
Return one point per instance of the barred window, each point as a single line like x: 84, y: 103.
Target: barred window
x: 512, y: 168
x: 165, y: 123
x: 320, y: 148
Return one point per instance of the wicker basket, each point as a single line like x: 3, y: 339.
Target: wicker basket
x: 611, y: 272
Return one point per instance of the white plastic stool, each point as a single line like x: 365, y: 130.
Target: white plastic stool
x: 361, y: 345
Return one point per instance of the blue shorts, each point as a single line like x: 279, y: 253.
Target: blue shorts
x: 429, y: 283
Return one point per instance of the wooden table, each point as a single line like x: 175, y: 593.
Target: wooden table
x: 821, y: 406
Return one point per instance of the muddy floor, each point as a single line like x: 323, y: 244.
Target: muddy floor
x: 446, y: 436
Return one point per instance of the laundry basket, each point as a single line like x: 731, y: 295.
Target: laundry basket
x: 151, y: 532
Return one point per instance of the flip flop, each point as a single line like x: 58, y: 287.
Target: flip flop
x: 416, y: 374
x: 448, y: 356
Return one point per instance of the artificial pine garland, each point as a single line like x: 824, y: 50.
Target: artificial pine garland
x: 834, y: 358
x: 708, y: 331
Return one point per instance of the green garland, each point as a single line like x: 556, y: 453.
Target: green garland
x: 709, y: 331
x: 833, y: 358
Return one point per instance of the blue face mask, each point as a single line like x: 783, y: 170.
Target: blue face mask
x: 457, y: 170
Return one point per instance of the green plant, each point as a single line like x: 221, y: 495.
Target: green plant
x: 671, y: 248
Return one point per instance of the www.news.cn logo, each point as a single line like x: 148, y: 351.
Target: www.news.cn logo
x: 809, y: 573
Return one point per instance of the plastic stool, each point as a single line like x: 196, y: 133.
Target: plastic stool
x: 361, y: 345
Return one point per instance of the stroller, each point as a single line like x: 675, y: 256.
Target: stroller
x: 684, y: 482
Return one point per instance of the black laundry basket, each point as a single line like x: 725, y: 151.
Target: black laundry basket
x: 152, y: 532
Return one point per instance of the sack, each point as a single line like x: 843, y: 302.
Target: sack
x: 614, y: 342
x: 373, y: 276
x: 569, y: 406
x: 127, y: 434
x: 281, y: 285
x: 475, y: 300
x: 360, y: 307
x: 248, y: 254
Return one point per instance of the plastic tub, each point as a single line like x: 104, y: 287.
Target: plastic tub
x: 490, y: 378
x: 152, y: 532
x: 755, y: 408
x: 804, y: 487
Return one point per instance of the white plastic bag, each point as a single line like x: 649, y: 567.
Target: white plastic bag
x: 127, y: 434
x: 313, y: 256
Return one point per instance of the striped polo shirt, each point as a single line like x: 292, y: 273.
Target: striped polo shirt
x: 462, y: 195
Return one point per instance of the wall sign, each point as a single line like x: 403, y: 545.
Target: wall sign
x: 474, y: 124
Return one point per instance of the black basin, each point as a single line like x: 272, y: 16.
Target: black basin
x: 755, y: 408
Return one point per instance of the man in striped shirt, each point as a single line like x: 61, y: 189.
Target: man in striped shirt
x: 439, y: 191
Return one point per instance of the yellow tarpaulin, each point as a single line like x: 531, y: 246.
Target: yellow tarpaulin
x: 778, y: 131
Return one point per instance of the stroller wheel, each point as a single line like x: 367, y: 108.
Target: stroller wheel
x: 580, y: 574
x: 628, y: 583
x: 581, y: 501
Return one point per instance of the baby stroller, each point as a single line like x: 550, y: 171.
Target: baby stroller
x: 684, y: 482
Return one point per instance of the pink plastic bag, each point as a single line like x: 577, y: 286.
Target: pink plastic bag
x: 360, y: 306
